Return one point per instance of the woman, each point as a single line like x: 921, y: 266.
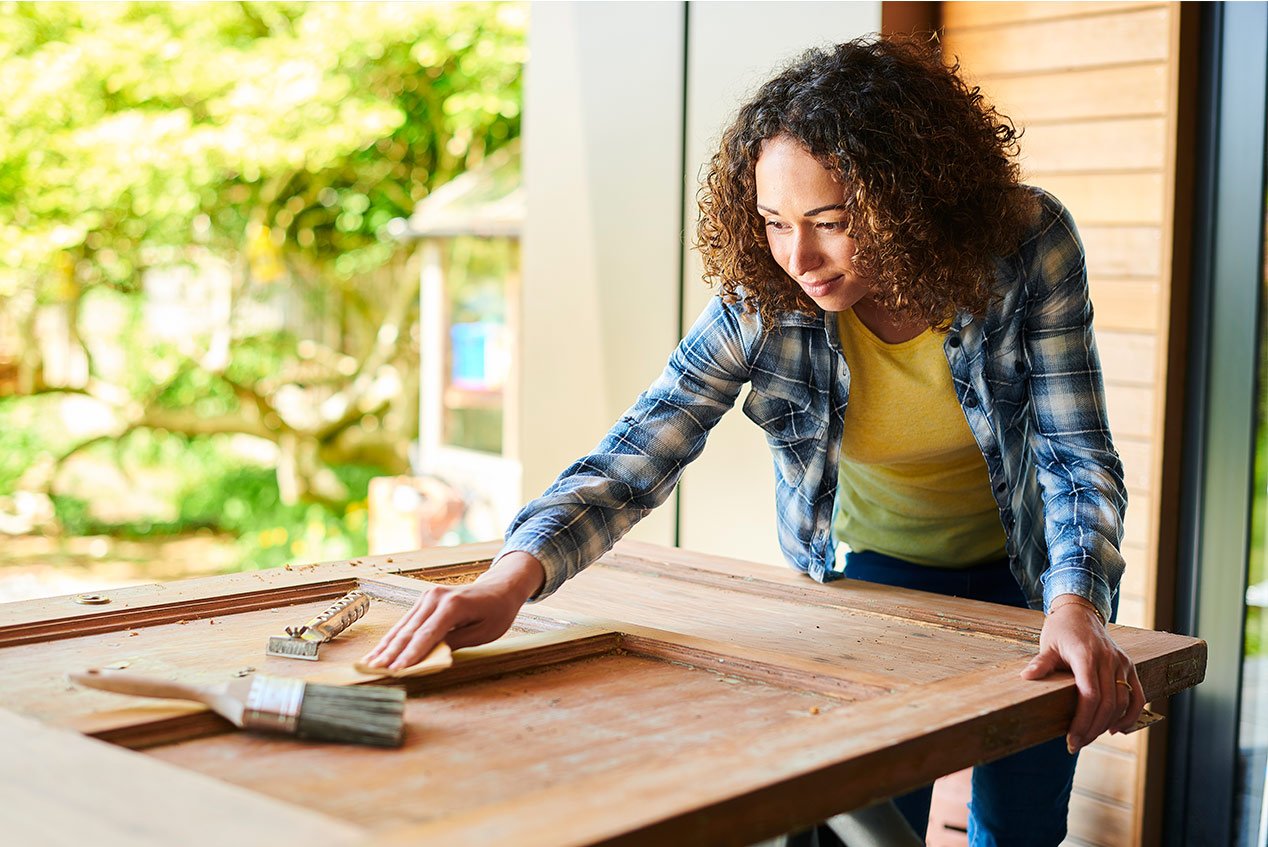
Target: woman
x: 916, y: 330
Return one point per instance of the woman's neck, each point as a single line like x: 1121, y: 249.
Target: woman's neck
x: 881, y: 324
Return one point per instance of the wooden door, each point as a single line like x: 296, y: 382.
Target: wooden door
x: 661, y: 697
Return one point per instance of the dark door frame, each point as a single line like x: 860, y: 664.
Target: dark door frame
x: 1215, y: 516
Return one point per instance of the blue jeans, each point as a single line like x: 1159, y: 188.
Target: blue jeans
x: 1022, y: 799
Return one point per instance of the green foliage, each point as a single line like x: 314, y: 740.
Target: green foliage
x: 1256, y: 624
x: 29, y: 429
x: 245, y: 502
x: 281, y: 131
x: 220, y: 492
x: 276, y: 140
x: 19, y: 443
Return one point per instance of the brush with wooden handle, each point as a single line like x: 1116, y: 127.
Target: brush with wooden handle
x: 361, y: 714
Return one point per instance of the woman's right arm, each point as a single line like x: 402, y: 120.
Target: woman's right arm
x: 596, y: 500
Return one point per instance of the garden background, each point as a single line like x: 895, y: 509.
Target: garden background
x: 208, y: 338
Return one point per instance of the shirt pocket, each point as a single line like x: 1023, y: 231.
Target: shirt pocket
x: 794, y: 428
x: 1008, y: 375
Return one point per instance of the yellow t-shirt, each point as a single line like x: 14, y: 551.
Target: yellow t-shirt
x: 913, y: 483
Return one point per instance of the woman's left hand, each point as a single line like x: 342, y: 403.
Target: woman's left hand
x: 1110, y: 694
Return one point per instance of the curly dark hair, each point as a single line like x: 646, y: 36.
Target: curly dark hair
x: 928, y: 168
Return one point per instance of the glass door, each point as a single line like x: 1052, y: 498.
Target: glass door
x: 1252, y: 801
x: 1218, y: 737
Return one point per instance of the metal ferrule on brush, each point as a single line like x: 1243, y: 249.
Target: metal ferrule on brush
x: 273, y: 705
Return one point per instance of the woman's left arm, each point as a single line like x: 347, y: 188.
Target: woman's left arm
x: 1084, y: 496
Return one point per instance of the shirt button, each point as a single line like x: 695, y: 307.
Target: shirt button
x: 970, y: 400
x: 954, y: 341
x: 1000, y: 488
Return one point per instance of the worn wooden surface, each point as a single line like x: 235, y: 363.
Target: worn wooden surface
x: 661, y: 697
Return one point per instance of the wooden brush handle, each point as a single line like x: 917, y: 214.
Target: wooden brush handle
x: 122, y: 682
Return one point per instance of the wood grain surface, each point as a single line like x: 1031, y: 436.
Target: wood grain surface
x: 660, y: 697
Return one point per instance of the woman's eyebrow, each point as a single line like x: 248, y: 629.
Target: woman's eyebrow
x: 834, y: 207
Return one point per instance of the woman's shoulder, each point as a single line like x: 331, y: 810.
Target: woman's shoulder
x: 1050, y: 220
x: 1051, y: 250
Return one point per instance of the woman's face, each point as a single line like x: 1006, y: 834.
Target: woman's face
x: 803, y: 205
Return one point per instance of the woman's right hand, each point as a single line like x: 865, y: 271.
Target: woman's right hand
x: 462, y: 615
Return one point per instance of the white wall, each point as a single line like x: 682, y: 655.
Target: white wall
x: 728, y: 494
x: 604, y: 244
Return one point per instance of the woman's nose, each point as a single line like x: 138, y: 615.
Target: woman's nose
x: 805, y: 255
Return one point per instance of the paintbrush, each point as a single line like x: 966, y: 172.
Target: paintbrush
x: 361, y: 714
x: 304, y: 642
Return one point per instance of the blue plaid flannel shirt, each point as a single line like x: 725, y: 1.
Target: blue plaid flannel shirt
x: 1027, y: 376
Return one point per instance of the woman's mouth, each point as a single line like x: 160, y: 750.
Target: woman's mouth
x: 820, y: 287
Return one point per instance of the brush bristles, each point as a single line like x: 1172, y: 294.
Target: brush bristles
x: 359, y: 714
x: 293, y: 648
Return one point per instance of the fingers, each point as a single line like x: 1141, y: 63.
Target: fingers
x: 1135, y: 702
x: 1108, y: 706
x: 460, y: 615
x: 391, y: 645
x: 1045, y: 663
x: 1089, y: 682
x: 427, y: 636
x: 453, y: 610
x: 1118, y: 702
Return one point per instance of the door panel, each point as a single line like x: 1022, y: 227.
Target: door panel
x: 662, y: 695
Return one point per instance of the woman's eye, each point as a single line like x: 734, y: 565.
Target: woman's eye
x: 776, y: 225
x: 832, y: 226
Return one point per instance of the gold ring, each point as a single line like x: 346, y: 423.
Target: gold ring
x: 1123, y: 682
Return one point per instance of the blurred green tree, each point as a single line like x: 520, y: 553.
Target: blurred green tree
x: 276, y: 138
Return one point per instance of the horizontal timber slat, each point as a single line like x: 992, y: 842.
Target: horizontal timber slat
x: 1128, y: 745
x: 1128, y: 358
x: 1132, y: 610
x: 1137, y: 456
x: 1131, y: 410
x: 1139, y: 521
x: 1100, y: 822
x: 1122, y: 251
x: 1107, y: 198
x: 957, y: 16
x: 1136, y: 558
x: 1077, y: 95
x: 1120, y: 144
x: 1106, y: 773
x: 1134, y: 35
x: 1135, y: 576
x: 1125, y: 305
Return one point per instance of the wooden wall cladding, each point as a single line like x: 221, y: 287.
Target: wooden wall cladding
x: 1097, y: 89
